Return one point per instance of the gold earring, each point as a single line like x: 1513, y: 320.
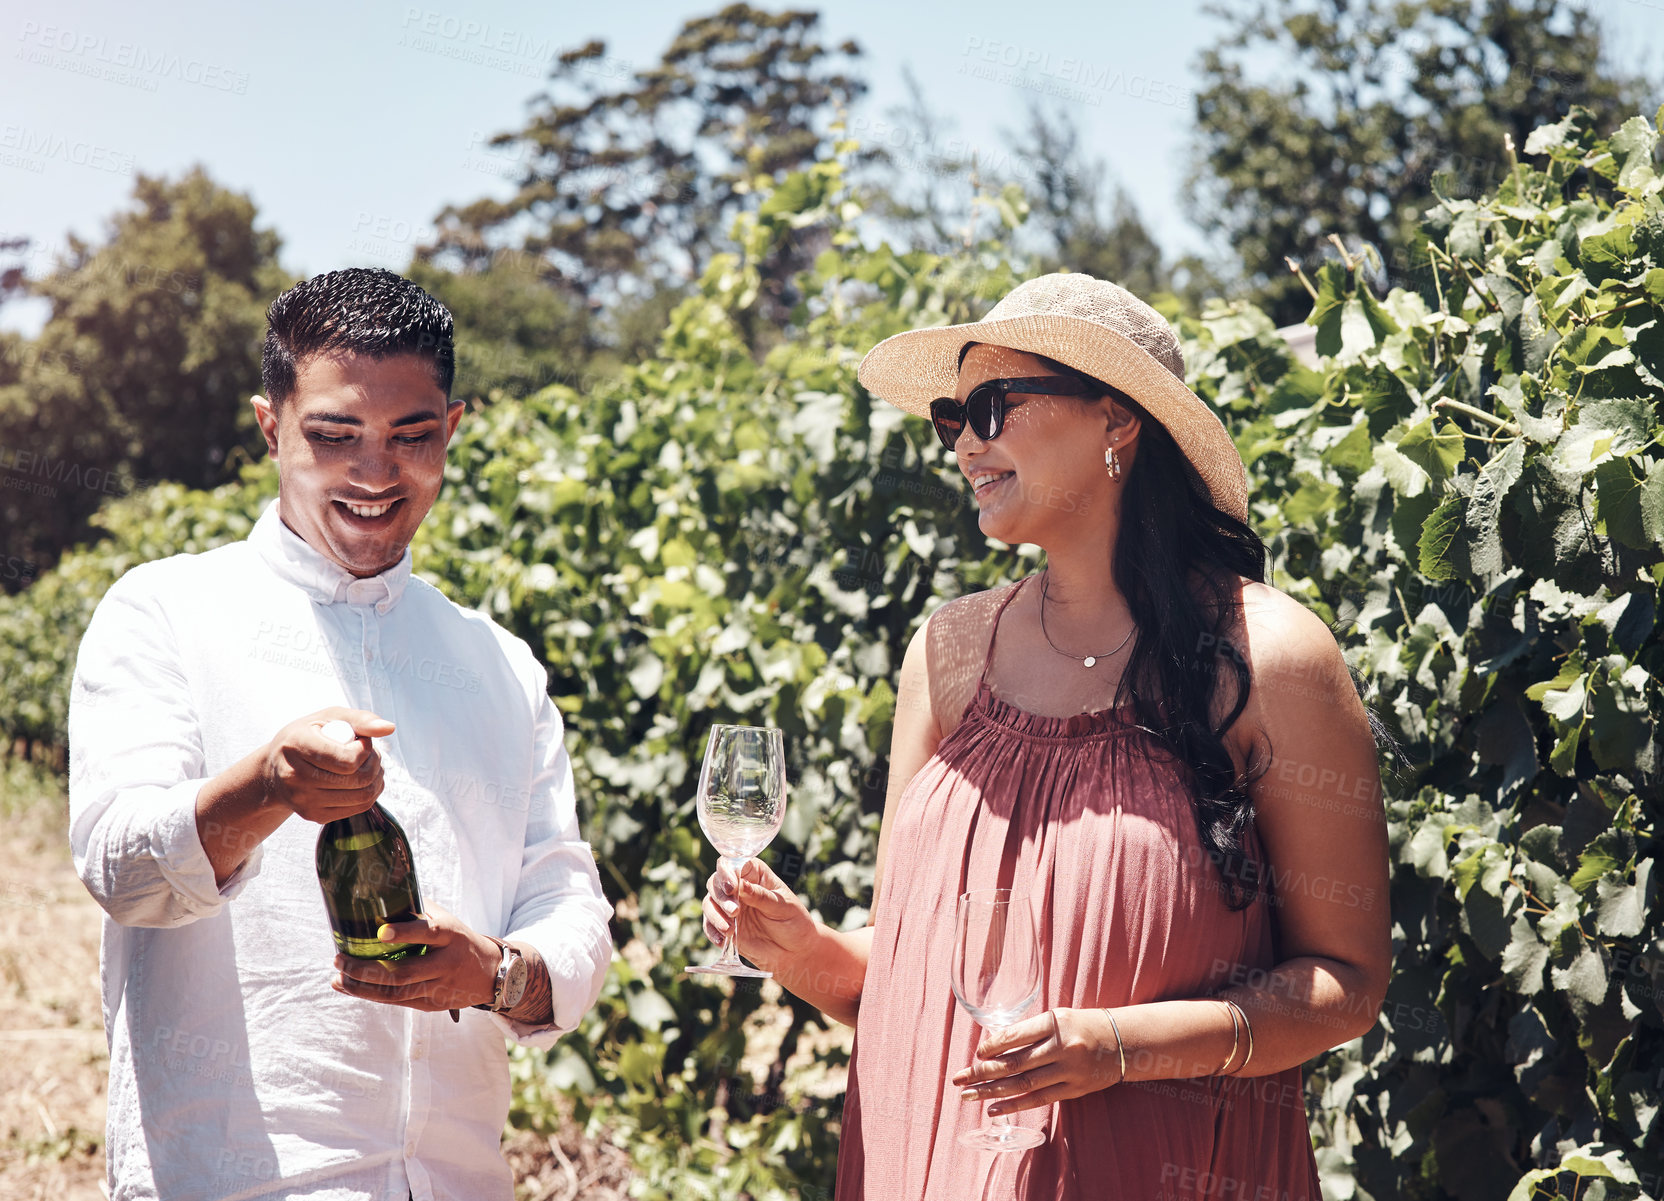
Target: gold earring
x: 1112, y: 462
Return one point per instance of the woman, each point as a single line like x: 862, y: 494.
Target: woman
x: 1164, y: 754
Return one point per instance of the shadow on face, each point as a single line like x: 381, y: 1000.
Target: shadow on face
x: 1043, y: 477
x: 360, y: 448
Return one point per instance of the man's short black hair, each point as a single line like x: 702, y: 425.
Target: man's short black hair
x: 359, y: 310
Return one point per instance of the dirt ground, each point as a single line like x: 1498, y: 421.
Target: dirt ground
x: 54, y: 1065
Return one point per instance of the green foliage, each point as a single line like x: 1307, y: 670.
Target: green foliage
x: 1472, y: 491
x: 1379, y: 105
x: 143, y: 370
x: 41, y: 627
x: 514, y: 333
x: 1078, y: 232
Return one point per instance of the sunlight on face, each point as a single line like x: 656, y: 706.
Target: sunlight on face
x: 360, y: 449
x: 1043, y: 478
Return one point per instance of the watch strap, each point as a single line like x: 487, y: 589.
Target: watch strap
x: 504, y: 951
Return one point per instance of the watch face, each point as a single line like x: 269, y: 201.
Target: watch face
x: 514, y: 984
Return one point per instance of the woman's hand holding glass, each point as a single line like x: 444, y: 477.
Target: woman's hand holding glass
x: 1056, y: 1056
x: 775, y: 927
x: 742, y: 801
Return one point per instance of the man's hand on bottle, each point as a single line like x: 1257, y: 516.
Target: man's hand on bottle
x: 459, y: 969
x: 310, y: 773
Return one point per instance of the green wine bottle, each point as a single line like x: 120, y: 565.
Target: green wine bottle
x: 368, y: 876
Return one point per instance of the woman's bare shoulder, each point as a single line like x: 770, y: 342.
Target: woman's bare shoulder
x: 1291, y: 654
x: 956, y: 648
x: 1278, y: 626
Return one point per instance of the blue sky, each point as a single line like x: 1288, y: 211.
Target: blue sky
x: 352, y: 123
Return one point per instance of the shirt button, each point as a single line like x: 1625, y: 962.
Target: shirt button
x: 410, y: 1148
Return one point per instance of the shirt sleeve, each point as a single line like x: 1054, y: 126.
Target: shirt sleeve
x: 559, y: 907
x: 136, y: 766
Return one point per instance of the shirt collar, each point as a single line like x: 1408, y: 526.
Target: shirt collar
x: 296, y: 560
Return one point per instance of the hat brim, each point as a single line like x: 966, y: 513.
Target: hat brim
x: 911, y: 369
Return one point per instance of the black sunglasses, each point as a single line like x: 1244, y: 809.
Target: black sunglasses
x: 984, y: 409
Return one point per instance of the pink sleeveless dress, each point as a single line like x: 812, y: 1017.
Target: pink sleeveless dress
x: 1087, y: 816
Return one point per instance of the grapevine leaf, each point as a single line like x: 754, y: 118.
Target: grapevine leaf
x: 1595, y: 862
x: 1435, y: 451
x: 1437, y: 537
x: 1584, y: 980
x: 1525, y: 957
x: 1621, y: 908
x: 1618, y: 502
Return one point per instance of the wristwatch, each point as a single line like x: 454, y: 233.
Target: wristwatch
x: 510, y: 985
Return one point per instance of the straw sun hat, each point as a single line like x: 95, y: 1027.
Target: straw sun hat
x: 1092, y: 325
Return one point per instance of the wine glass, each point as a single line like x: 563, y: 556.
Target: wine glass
x: 742, y: 801
x: 996, y: 977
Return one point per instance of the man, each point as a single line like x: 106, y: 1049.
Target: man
x: 248, y: 1060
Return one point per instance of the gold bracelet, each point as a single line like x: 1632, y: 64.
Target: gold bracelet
x: 1120, y: 1047
x: 1236, y: 1034
x: 1250, y: 1054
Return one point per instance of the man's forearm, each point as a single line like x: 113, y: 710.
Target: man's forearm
x: 233, y: 815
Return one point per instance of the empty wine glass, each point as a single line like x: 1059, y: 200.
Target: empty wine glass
x: 996, y: 977
x: 742, y: 801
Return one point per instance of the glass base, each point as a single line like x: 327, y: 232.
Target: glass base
x: 1003, y: 1138
x: 722, y: 969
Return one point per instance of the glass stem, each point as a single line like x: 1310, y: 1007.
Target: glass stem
x: 998, y: 1124
x: 730, y: 956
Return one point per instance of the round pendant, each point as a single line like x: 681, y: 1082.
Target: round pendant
x: 1090, y: 660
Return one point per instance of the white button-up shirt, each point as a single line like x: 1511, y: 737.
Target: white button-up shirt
x: 235, y: 1070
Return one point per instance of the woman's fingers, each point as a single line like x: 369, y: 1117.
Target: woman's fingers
x: 755, y: 871
x: 1062, y: 1090
x: 723, y: 880
x: 776, y: 902
x: 716, y: 925
x: 721, y: 894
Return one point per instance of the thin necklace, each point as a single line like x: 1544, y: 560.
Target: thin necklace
x: 1085, y: 660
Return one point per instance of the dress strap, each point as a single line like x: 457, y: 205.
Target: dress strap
x: 993, y: 634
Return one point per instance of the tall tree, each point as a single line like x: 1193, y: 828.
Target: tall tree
x: 144, y: 366
x: 1374, y: 99
x: 1084, y: 223
x: 916, y: 180
x: 513, y: 332
x: 922, y: 184
x: 629, y: 184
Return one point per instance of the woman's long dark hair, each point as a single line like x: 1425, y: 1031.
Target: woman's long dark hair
x: 1177, y: 557
x: 1177, y: 560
